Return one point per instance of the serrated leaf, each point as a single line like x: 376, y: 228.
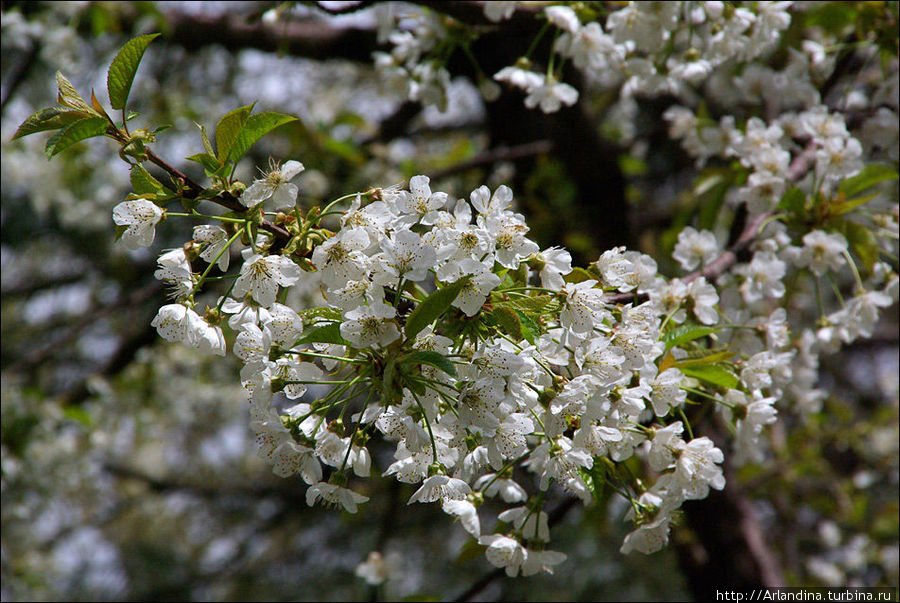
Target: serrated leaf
x: 83, y: 129
x: 69, y: 97
x: 207, y: 145
x: 255, y: 128
x: 143, y: 181
x: 508, y: 321
x: 432, y: 306
x: 685, y: 333
x: 330, y: 333
x: 229, y: 129
x: 429, y: 357
x: 540, y: 304
x: 530, y: 329
x: 209, y: 162
x: 121, y: 72
x: 712, y: 373
x: 313, y: 313
x: 52, y: 118
x: 867, y: 178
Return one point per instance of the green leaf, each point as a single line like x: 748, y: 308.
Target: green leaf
x: 206, y: 144
x: 434, y: 359
x: 711, y: 358
x: 52, y: 118
x: 839, y: 209
x: 83, y: 129
x: 508, y: 321
x: 685, y: 333
x: 229, y: 129
x: 433, y: 306
x: 209, y: 162
x: 537, y: 305
x: 579, y: 275
x: 793, y: 200
x: 69, y: 97
x: 330, y: 333
x: 712, y: 373
x: 310, y: 314
x: 867, y: 178
x: 143, y: 181
x: 530, y: 329
x: 255, y: 128
x: 862, y: 241
x: 121, y: 72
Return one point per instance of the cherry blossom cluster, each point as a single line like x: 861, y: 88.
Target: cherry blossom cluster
x: 483, y: 359
x: 647, y: 48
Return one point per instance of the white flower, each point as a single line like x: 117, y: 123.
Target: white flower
x: 174, y: 268
x: 420, y: 202
x: 441, y: 487
x: 334, y: 495
x: 695, y: 248
x: 822, y: 252
x: 175, y: 323
x: 666, y: 391
x: 705, y: 298
x: 519, y: 78
x: 467, y: 513
x: 215, y: 240
x: 370, y: 326
x: 141, y: 217
x: 543, y: 560
x: 479, y: 283
x: 583, y: 305
x: 563, y: 17
x: 261, y: 275
x: 551, y: 95
x: 171, y: 322
x: 501, y: 10
x: 274, y: 185
x: 503, y: 551
x: 556, y: 262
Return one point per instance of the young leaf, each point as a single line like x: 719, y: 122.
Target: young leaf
x: 712, y: 373
x: 330, y: 333
x: 121, y: 72
x: 206, y: 144
x: 867, y: 178
x: 229, y: 129
x: 508, y: 320
x: 255, y: 128
x: 530, y: 329
x: 434, y: 359
x: 75, y: 132
x: 52, y: 118
x: 579, y: 275
x: 143, y: 182
x: 68, y: 96
x: 862, y: 242
x: 433, y: 306
x: 793, y: 200
x: 209, y: 162
x: 686, y: 333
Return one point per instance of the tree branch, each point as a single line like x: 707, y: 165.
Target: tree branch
x: 313, y: 40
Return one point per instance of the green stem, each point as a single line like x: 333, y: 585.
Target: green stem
x: 213, y: 262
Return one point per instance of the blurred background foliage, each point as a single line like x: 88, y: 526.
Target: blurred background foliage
x: 128, y: 470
